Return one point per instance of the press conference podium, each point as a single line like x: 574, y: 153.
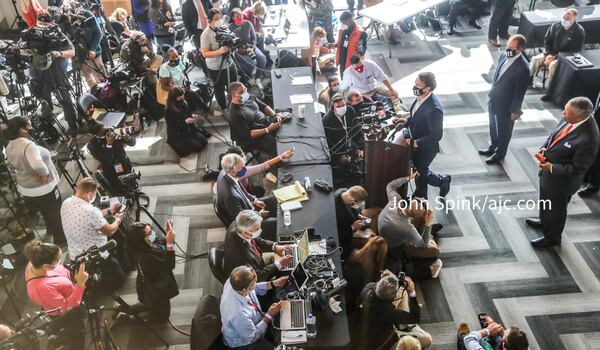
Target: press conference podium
x: 384, y: 162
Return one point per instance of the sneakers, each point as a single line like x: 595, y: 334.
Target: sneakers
x: 436, y: 267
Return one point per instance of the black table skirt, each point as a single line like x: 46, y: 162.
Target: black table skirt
x: 570, y: 81
x: 534, y: 27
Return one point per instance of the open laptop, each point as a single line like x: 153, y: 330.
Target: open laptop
x: 293, y: 314
x: 300, y: 250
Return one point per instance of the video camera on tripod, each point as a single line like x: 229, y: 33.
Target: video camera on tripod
x: 29, y: 331
x: 226, y: 37
x: 41, y: 41
x: 92, y: 258
x: 12, y: 58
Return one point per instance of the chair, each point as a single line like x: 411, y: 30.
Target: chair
x: 206, y: 325
x: 109, y: 119
x: 218, y: 212
x: 216, y: 259
x: 544, y: 70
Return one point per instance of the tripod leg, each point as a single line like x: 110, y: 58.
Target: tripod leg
x: 120, y: 300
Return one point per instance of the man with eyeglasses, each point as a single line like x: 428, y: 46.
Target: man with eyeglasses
x: 244, y: 324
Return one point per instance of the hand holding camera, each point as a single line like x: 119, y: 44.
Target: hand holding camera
x: 81, y: 276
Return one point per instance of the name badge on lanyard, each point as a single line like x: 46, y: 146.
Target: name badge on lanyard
x: 346, y: 43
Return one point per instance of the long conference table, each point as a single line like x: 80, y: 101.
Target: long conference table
x: 311, y: 160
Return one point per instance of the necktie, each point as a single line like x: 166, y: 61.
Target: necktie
x: 255, y: 248
x: 562, y: 134
x: 202, y: 14
x: 246, y: 194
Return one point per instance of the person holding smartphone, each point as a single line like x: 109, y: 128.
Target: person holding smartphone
x: 491, y: 335
x: 154, y: 256
x: 182, y: 135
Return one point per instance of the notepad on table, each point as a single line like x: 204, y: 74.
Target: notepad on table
x: 295, y: 192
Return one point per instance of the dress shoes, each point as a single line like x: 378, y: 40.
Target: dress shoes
x: 546, y: 98
x: 475, y: 24
x: 493, y: 159
x: 451, y: 30
x: 504, y: 36
x: 588, y: 191
x: 534, y: 222
x: 485, y: 152
x: 435, y: 228
x: 445, y: 186
x: 544, y: 242
x: 494, y: 42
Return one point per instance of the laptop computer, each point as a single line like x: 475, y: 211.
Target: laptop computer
x: 300, y: 250
x: 293, y: 314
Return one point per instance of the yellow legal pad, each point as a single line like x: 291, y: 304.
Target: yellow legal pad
x: 295, y: 192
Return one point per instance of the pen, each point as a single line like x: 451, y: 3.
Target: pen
x: 303, y: 125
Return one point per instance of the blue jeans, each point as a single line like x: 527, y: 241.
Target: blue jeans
x: 250, y: 67
x: 501, y: 128
x: 421, y: 161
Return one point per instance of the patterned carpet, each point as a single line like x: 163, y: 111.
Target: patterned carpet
x: 489, y: 265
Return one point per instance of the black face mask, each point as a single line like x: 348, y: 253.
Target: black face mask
x: 174, y: 63
x: 511, y: 53
x: 417, y: 91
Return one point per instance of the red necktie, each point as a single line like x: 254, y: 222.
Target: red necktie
x: 202, y: 14
x: 562, y: 134
x: 255, y: 248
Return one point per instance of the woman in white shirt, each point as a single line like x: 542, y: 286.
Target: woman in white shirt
x: 36, y: 176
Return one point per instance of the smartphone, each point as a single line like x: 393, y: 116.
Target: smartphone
x: 286, y: 177
x: 367, y: 221
x: 482, y: 320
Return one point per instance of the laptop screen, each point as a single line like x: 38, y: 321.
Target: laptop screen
x: 300, y: 276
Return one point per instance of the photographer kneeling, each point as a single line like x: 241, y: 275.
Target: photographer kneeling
x: 221, y: 73
x: 109, y: 150
x: 154, y: 257
x: 49, y: 285
x: 380, y: 312
x: 85, y: 226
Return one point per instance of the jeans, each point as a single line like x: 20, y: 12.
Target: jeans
x: 49, y: 204
x: 220, y: 81
x: 252, y: 68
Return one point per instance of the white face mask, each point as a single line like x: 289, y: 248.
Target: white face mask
x: 219, y: 23
x: 93, y: 199
x: 340, y: 111
x: 256, y: 234
x: 565, y: 22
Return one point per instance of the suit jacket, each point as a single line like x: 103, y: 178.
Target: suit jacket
x: 238, y: 253
x: 189, y: 15
x: 508, y: 90
x: 345, y: 217
x: 427, y: 124
x: 230, y: 197
x: 571, y: 157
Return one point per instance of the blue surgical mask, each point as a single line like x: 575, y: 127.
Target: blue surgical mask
x: 565, y: 22
x: 242, y: 172
x: 340, y: 111
x: 152, y: 237
x: 245, y: 97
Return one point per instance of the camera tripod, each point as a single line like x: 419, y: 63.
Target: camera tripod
x: 15, y: 205
x: 19, y: 21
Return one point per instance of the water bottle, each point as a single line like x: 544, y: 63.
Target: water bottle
x: 301, y: 111
x: 311, y: 326
x: 287, y: 218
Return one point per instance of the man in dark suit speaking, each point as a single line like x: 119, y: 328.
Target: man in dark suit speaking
x: 505, y: 97
x: 426, y: 125
x: 564, y: 159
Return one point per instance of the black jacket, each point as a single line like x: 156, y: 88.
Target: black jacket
x: 345, y: 217
x: 342, y: 141
x: 156, y: 264
x: 177, y: 128
x: 378, y: 317
x: 238, y: 253
x: 189, y: 15
x: 558, y: 39
x: 111, y: 158
x: 571, y: 157
x: 230, y: 197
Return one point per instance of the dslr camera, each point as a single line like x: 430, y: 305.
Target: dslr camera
x: 120, y: 133
x: 226, y: 37
x: 92, y: 258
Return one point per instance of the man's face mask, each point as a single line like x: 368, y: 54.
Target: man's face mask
x: 511, y: 53
x: 418, y: 91
x: 565, y: 22
x: 245, y: 96
x: 340, y: 111
x: 256, y: 234
x: 241, y: 172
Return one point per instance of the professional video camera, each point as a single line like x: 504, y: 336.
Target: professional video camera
x: 372, y: 118
x: 92, y: 258
x: 29, y: 331
x: 130, y: 180
x: 226, y: 37
x: 40, y: 41
x: 12, y: 58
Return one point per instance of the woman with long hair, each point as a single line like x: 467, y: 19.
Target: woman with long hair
x: 36, y: 176
x: 154, y: 257
x: 120, y: 15
x: 364, y: 266
x: 182, y: 135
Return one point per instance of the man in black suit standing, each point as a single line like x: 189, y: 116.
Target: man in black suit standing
x: 244, y: 246
x: 232, y: 196
x: 564, y: 159
x: 505, y: 97
x: 426, y: 126
x: 592, y: 178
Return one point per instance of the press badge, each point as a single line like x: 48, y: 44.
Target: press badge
x: 56, y: 193
x: 346, y: 43
x: 119, y: 168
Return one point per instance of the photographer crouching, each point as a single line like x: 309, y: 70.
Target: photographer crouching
x: 154, y: 256
x: 85, y: 226
x: 108, y: 147
x: 51, y: 51
x: 49, y: 285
